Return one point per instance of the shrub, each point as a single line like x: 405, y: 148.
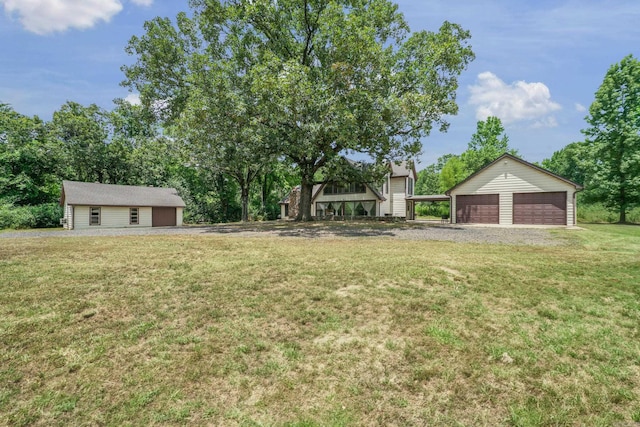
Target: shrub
x: 39, y: 216
x: 598, y: 213
x: 432, y: 209
x: 47, y: 215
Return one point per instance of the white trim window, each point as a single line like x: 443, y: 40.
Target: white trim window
x: 134, y: 216
x: 94, y: 215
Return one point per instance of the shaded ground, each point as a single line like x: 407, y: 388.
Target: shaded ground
x: 341, y: 229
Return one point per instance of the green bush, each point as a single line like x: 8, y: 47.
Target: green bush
x: 598, y: 213
x: 21, y: 217
x: 47, y: 215
x: 432, y: 209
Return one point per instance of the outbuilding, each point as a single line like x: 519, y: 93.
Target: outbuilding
x: 511, y: 191
x: 89, y: 205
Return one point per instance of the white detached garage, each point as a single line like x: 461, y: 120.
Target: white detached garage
x: 512, y: 191
x: 88, y: 205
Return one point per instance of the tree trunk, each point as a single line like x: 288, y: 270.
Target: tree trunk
x: 623, y: 203
x: 244, y: 199
x: 306, y: 190
x: 266, y: 189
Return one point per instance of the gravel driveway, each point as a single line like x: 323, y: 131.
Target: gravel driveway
x: 406, y: 231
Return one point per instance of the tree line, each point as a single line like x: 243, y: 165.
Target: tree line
x: 236, y: 94
x: 606, y: 162
x: 241, y: 100
x: 121, y: 146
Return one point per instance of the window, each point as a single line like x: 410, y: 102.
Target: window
x: 338, y: 188
x: 133, y: 216
x: 94, y: 216
x: 349, y: 209
x: 410, y: 187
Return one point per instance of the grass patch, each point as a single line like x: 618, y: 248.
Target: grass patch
x: 221, y: 330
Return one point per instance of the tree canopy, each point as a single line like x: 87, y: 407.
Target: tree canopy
x: 568, y: 162
x: 612, y: 154
x: 29, y: 159
x: 487, y: 144
x: 313, y: 80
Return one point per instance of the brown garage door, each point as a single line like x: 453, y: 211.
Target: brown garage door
x: 540, y: 208
x: 163, y: 217
x: 478, y: 209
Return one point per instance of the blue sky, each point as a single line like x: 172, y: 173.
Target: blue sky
x: 538, y: 63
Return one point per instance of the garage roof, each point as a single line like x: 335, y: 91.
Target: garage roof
x: 95, y: 194
x: 517, y: 159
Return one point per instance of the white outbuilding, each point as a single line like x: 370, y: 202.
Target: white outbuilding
x: 511, y: 191
x: 89, y: 205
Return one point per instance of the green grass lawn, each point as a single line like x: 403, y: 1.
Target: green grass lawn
x: 274, y: 331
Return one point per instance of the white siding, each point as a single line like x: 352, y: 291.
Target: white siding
x: 145, y: 217
x: 507, y: 177
x: 68, y: 216
x: 506, y: 208
x: 385, y: 205
x: 112, y: 217
x: 179, y: 216
x: 398, y: 196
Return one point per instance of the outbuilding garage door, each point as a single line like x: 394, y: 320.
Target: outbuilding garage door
x: 163, y: 217
x: 478, y: 209
x: 540, y: 208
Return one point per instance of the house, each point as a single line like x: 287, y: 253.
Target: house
x: 88, y: 205
x: 337, y: 199
x: 397, y: 189
x: 512, y: 191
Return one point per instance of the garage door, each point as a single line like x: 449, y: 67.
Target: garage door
x: 163, y: 217
x: 478, y: 209
x: 540, y: 208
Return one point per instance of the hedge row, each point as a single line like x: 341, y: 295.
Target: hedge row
x: 20, y: 217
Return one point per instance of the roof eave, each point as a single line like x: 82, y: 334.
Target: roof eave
x: 524, y: 162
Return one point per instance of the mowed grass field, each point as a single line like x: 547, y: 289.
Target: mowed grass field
x: 273, y: 331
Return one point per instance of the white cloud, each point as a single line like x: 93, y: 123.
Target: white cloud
x: 48, y: 16
x: 133, y: 98
x: 580, y: 108
x: 516, y: 102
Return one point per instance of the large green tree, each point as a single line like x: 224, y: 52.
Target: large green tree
x: 568, y: 162
x: 325, y: 77
x: 29, y: 160
x: 487, y: 144
x: 83, y: 132
x: 452, y: 173
x: 613, y: 138
x: 429, y: 178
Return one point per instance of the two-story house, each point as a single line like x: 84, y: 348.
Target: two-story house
x: 351, y: 200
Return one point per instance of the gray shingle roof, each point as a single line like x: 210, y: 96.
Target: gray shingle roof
x: 402, y: 169
x: 517, y: 159
x: 94, y: 194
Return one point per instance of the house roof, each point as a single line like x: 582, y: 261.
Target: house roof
x: 95, y: 194
x: 318, y: 187
x: 403, y: 169
x: 517, y: 159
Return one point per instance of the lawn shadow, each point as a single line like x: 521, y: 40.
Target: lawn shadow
x: 323, y: 229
